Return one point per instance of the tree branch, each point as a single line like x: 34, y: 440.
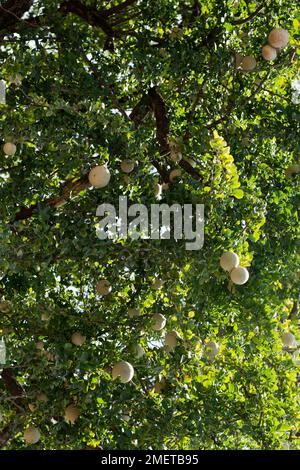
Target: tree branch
x: 71, y: 188
x: 250, y: 17
x: 162, y: 121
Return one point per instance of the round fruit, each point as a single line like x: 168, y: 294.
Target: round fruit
x: 158, y: 321
x: 175, y: 175
x: 229, y: 260
x: 127, y: 166
x: 288, y: 339
x: 71, y: 414
x: 133, y: 312
x: 278, y: 38
x: 49, y: 356
x: 32, y: 435
x: 103, y: 287
x: 248, y: 63
x: 9, y: 148
x: 40, y: 345
x: 269, y: 53
x: 157, y: 284
x: 42, y: 397
x: 78, y: 339
x: 4, y: 307
x: 239, y: 275
x: 289, y: 172
x: 124, y: 370
x: 171, y: 339
x: 212, y: 349
x: 32, y: 407
x: 45, y: 316
x: 99, y: 176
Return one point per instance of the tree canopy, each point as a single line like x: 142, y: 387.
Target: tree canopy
x: 168, y: 84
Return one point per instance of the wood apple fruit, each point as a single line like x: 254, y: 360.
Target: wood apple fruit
x: 239, y: 275
x: 175, y: 175
x: 158, y: 321
x: 123, y: 370
x: 269, y: 53
x: 229, y: 260
x: 78, y: 339
x: 248, y: 63
x: 32, y: 435
x: 288, y: 339
x: 278, y: 38
x: 71, y: 414
x: 103, y: 287
x: 133, y: 312
x: 171, y: 339
x: 99, y: 176
x: 127, y: 166
x: 9, y: 148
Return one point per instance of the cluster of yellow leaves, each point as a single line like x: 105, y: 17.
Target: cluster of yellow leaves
x: 225, y: 172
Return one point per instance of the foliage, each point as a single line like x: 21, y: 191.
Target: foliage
x: 94, y: 82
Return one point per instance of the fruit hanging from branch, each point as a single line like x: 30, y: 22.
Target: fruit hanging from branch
x: 99, y: 176
x: 124, y: 371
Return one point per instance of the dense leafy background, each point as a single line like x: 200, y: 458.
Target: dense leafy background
x: 80, y: 81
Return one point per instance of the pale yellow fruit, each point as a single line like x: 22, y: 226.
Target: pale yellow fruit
x: 127, y: 166
x: 139, y: 351
x: 71, y: 414
x: 158, y: 321
x: 32, y: 435
x: 49, y: 356
x: 42, y: 397
x: 9, y: 148
x: 157, y: 284
x: 269, y: 53
x: 175, y: 175
x: 175, y: 153
x: 123, y: 370
x: 40, y: 345
x: 229, y: 260
x: 278, y: 38
x: 212, y: 349
x: 4, y: 307
x: 99, y: 176
x: 133, y: 312
x: 248, y: 63
x: 288, y: 339
x: 239, y: 275
x: 78, y: 339
x: 45, y: 316
x: 289, y: 172
x: 171, y: 339
x: 32, y: 407
x: 103, y: 287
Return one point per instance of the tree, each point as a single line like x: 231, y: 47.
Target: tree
x: 162, y: 84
